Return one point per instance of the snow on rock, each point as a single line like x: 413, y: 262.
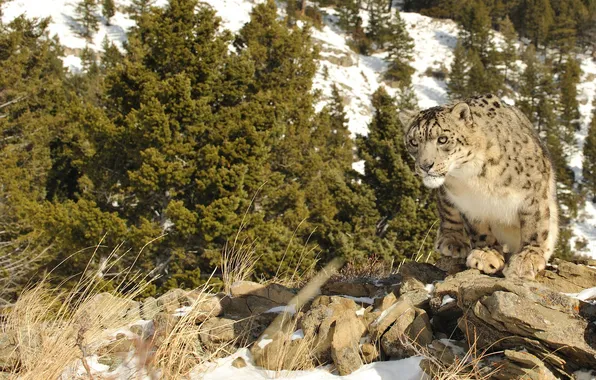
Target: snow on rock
x: 290, y: 309
x: 447, y: 299
x: 367, y: 300
x: 405, y: 369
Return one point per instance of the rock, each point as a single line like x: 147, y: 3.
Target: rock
x: 245, y: 288
x: 336, y: 56
x: 204, y: 305
x: 451, y: 265
x: 369, y: 353
x: 172, y: 300
x: 401, y: 313
x: 384, y: 303
x: 418, y: 297
x: 113, y: 361
x: 423, y: 272
x: 239, y: 362
x: 406, y: 334
x: 567, y: 277
x: 163, y: 324
x: 9, y: 355
x: 280, y: 294
x: 445, y: 318
x: 355, y: 288
x: 217, y: 333
x: 504, y: 314
x: 121, y: 345
x: 109, y: 308
x: 319, y: 323
x: 149, y: 308
x: 279, y: 352
x: 329, y: 300
x: 273, y: 292
x: 345, y: 350
x: 521, y: 365
x: 447, y: 355
x: 410, y: 284
x: 258, y: 305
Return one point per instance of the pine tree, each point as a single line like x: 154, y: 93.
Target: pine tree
x: 86, y: 10
x: 111, y: 56
x: 406, y: 98
x: 510, y: 48
x: 458, y: 79
x: 562, y: 34
x: 399, y: 52
x: 529, y: 84
x: 291, y: 10
x: 138, y: 8
x: 568, y: 105
x: 108, y: 10
x: 405, y: 206
x: 378, y: 22
x: 589, y: 162
x: 477, y: 76
x: 348, y: 12
x: 476, y: 37
x: 538, y: 18
x: 476, y: 28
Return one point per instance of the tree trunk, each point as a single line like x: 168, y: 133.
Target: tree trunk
x: 303, y: 7
x: 390, y: 3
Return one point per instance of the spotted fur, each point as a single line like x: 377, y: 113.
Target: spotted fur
x: 495, y: 180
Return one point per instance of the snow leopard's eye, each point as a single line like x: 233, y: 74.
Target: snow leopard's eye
x: 442, y: 140
x: 414, y: 143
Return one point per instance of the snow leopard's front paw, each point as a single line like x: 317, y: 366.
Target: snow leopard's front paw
x: 452, y: 246
x: 525, y: 264
x: 486, y: 260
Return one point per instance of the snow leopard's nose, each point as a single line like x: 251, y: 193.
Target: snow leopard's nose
x: 426, y: 166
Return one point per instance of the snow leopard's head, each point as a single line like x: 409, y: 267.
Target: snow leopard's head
x: 439, y: 140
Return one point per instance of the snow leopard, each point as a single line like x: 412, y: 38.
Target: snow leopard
x: 495, y: 183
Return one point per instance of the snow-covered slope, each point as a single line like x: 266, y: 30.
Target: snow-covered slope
x: 357, y: 76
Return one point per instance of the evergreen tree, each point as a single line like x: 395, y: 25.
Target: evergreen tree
x: 108, y: 10
x: 529, y: 84
x: 458, y: 80
x: 538, y: 18
x: 399, y: 48
x: 378, y: 22
x: 405, y: 206
x: 484, y: 59
x: 478, y: 79
x: 86, y: 10
x: 568, y: 105
x: 510, y: 48
x: 476, y: 28
x: 348, y: 12
x: 291, y: 10
x: 111, y: 56
x: 589, y: 163
x: 138, y: 8
x: 406, y: 98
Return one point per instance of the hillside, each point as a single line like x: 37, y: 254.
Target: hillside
x: 357, y: 76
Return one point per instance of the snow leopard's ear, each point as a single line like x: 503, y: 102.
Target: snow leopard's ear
x: 461, y: 111
x: 406, y: 117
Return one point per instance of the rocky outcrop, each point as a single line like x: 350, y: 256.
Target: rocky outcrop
x: 501, y: 328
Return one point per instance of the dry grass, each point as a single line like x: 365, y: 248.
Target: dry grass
x: 180, y: 352
x: 57, y: 332
x: 54, y: 330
